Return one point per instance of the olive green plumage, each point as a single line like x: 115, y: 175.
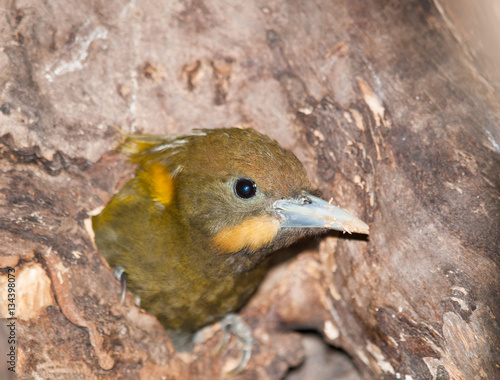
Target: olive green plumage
x: 173, y: 225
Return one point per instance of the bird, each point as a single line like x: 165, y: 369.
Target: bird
x: 195, y: 227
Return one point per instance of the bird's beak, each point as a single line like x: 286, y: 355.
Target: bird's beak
x: 309, y: 211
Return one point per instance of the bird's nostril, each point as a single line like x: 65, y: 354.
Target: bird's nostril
x: 305, y: 201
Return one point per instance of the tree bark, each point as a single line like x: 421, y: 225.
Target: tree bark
x: 392, y: 106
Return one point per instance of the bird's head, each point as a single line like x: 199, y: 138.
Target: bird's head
x: 237, y: 188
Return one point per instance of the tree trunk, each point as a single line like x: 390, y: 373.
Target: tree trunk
x: 392, y: 106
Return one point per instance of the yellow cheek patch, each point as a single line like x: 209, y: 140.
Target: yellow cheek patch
x: 252, y: 234
x: 161, y: 185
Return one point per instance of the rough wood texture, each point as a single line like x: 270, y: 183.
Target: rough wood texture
x: 393, y: 108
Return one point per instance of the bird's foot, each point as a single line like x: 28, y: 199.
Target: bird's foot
x: 232, y: 324
x: 120, y: 274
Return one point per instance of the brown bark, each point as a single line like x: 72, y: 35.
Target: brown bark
x: 392, y: 106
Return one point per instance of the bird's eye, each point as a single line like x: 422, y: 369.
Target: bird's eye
x: 245, y: 188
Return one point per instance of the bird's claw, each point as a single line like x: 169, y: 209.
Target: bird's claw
x: 119, y: 273
x: 232, y: 324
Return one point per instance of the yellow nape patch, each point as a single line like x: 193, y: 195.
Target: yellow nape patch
x: 161, y: 185
x: 252, y: 234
